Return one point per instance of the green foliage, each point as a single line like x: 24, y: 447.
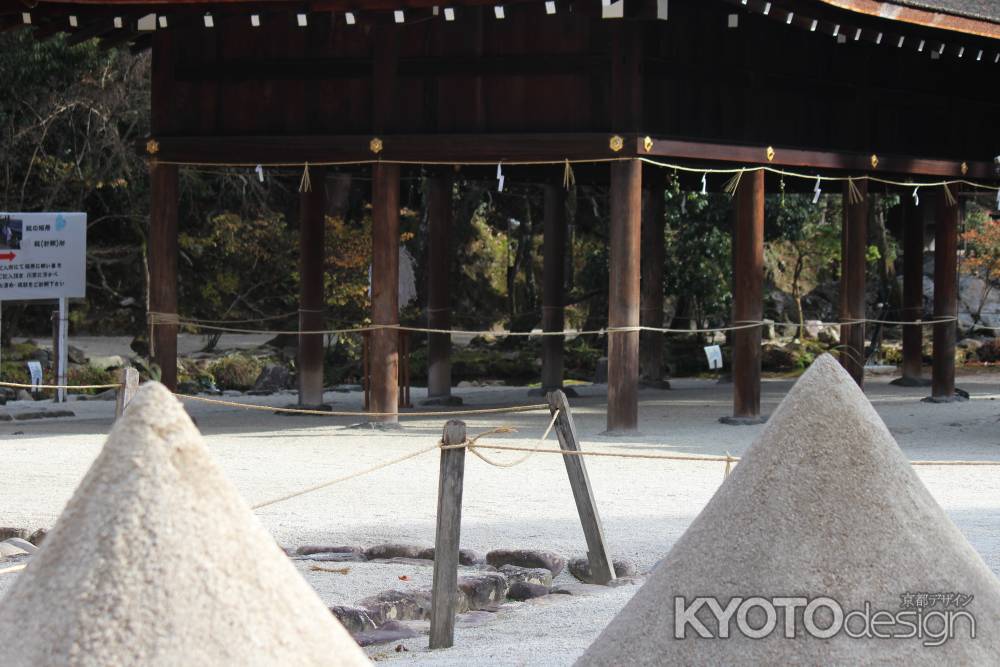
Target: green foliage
x: 236, y: 371
x: 87, y: 374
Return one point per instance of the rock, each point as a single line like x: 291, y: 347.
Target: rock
x: 43, y: 414
x: 8, y: 550
x: 580, y: 568
x: 354, y: 619
x: 527, y: 558
x: 23, y: 395
x: 969, y: 344
x: 6, y: 417
x: 483, y: 591
x: 333, y: 557
x: 40, y: 355
x: 75, y: 355
x: 471, y: 619
x: 601, y: 371
x: 274, y: 377
x: 106, y: 395
x: 530, y: 575
x: 401, y: 606
x: 465, y: 556
x: 310, y: 549
x: 232, y: 392
x: 108, y: 362
x: 389, y: 632
x: 775, y: 357
x: 37, y: 537
x: 27, y: 546
x: 7, y: 532
x: 767, y: 331
x: 579, y: 590
x: 524, y: 590
x: 829, y: 334
x: 811, y: 328
x: 393, y: 551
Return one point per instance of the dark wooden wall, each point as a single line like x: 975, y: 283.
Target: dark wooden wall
x: 763, y: 83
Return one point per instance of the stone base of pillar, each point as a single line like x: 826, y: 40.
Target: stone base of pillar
x: 911, y: 382
x: 442, y: 400
x: 654, y: 384
x: 743, y: 421
x: 960, y: 396
x: 541, y: 391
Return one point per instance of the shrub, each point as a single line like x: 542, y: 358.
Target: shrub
x: 236, y: 371
x: 990, y: 351
x: 88, y: 374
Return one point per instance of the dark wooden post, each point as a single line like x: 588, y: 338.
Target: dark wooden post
x: 163, y: 269
x: 653, y: 251
x: 439, y: 214
x: 312, y: 210
x: 911, y: 222
x: 602, y: 569
x: 748, y: 297
x: 553, y: 279
x: 623, y: 296
x: 444, y: 591
x: 129, y: 379
x: 854, y: 245
x: 945, y: 299
x: 384, y: 354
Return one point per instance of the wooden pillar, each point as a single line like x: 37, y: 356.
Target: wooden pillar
x: 312, y: 210
x: 385, y: 291
x: 623, y: 296
x: 651, y: 298
x: 553, y: 280
x: 163, y: 269
x: 439, y: 216
x: 854, y: 246
x: 748, y: 297
x: 912, y: 225
x: 945, y: 299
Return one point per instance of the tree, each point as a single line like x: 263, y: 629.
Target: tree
x: 982, y: 254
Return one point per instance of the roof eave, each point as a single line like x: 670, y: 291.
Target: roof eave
x: 921, y: 17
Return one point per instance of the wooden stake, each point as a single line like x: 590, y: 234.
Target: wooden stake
x: 444, y: 594
x: 129, y: 379
x: 601, y: 567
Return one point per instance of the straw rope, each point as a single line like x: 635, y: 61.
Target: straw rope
x: 13, y: 568
x: 18, y: 385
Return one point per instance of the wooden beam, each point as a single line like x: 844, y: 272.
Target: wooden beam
x: 439, y: 263
x: 447, y: 536
x: 601, y: 566
x: 854, y: 246
x: 651, y: 286
x: 312, y: 256
x: 623, y: 297
x: 385, y: 292
x: 945, y: 298
x: 748, y: 297
x: 553, y: 287
x: 163, y: 269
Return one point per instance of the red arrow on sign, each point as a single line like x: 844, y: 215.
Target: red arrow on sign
x: 9, y: 256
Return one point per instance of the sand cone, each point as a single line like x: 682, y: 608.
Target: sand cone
x: 157, y: 560
x: 824, y: 503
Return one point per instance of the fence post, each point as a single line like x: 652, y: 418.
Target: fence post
x: 601, y: 567
x: 444, y: 595
x: 128, y: 377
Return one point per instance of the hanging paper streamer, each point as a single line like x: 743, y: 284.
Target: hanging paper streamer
x: 916, y: 196
x: 684, y: 200
x: 704, y: 183
x: 260, y: 173
x: 305, y: 185
x: 817, y: 191
x: 499, y: 177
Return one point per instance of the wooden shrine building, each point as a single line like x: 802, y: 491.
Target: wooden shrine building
x: 904, y: 91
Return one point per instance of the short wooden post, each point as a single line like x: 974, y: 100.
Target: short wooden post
x: 129, y: 379
x: 444, y: 595
x: 601, y: 567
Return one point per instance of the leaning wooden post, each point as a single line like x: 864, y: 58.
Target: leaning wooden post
x: 129, y: 379
x: 444, y: 594
x: 601, y: 567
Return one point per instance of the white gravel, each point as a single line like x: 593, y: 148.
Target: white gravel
x: 645, y: 505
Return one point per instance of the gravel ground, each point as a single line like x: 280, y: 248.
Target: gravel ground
x: 645, y: 505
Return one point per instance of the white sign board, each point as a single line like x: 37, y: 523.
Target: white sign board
x: 35, y: 369
x: 43, y: 256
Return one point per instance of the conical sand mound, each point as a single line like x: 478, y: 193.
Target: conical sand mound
x: 157, y: 560
x: 823, y: 504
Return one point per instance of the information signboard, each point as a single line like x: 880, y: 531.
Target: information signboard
x: 43, y: 256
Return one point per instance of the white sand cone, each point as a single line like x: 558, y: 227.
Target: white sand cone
x: 824, y: 503
x: 157, y: 560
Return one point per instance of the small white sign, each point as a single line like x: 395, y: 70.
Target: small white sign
x: 714, y: 355
x: 35, y: 369
x: 43, y: 256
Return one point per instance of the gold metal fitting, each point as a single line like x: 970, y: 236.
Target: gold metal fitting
x: 152, y: 146
x: 965, y: 168
x: 647, y: 143
x: 376, y: 145
x: 616, y: 143
x: 874, y: 161
x: 770, y: 153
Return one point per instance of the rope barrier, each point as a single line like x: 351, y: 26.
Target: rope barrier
x: 344, y: 413
x: 13, y: 568
x: 18, y: 385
